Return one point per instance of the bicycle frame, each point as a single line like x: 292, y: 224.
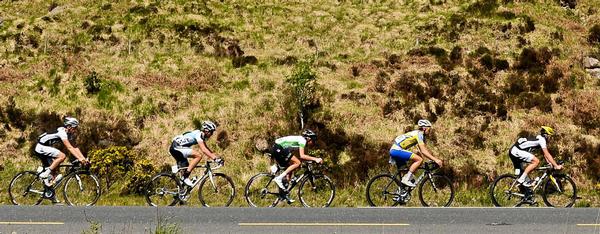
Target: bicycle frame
x: 537, y: 184
x: 207, y: 173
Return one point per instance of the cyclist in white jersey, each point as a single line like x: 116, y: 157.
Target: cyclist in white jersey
x: 522, y: 150
x: 181, y: 149
x: 52, y: 157
x: 281, y: 151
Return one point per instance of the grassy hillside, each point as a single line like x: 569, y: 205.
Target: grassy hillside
x: 137, y: 73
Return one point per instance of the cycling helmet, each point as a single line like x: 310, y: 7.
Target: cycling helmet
x: 547, y: 131
x: 71, y: 122
x: 424, y: 123
x: 309, y: 134
x: 209, y: 126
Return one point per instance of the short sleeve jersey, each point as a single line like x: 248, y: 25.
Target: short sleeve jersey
x: 51, y: 138
x: 190, y: 138
x: 291, y: 142
x: 531, y: 144
x: 410, y: 139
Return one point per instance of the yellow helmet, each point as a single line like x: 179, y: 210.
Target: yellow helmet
x: 547, y: 130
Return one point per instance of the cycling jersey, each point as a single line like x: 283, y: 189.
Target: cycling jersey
x: 408, y: 140
x: 291, y: 142
x: 49, y: 139
x: 190, y: 138
x: 531, y: 144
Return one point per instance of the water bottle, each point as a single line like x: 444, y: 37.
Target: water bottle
x: 58, y: 178
x: 536, y: 180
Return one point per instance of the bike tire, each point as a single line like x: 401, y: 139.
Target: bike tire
x: 218, y: 193
x: 441, y: 194
x: 565, y: 198
x: 81, y: 188
x: 261, y: 191
x: 163, y: 190
x: 381, y: 189
x: 26, y: 189
x: 499, y: 193
x: 321, y: 186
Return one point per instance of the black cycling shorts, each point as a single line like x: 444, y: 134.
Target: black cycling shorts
x: 181, y: 160
x: 46, y: 160
x: 281, y: 155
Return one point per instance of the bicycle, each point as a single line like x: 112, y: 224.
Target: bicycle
x: 80, y: 187
x: 386, y: 190
x: 315, y: 188
x: 166, y: 189
x: 559, y: 190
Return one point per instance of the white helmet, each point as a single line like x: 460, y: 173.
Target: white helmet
x: 209, y: 126
x: 71, y: 122
x: 424, y: 123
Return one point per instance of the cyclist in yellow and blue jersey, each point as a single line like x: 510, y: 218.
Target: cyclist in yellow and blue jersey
x: 400, y: 153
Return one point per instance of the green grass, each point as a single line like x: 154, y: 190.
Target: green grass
x: 153, y: 72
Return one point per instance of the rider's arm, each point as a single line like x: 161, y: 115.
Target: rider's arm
x: 304, y: 156
x: 74, y: 151
x: 549, y: 157
x: 207, y: 151
x: 423, y: 149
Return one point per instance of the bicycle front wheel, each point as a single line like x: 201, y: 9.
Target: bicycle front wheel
x: 316, y: 191
x: 381, y: 191
x: 163, y: 190
x: 26, y: 189
x: 261, y: 191
x: 216, y: 191
x: 436, y: 191
x: 505, y: 192
x: 559, y: 191
x: 81, y: 189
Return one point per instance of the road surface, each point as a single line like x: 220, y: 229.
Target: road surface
x: 63, y: 219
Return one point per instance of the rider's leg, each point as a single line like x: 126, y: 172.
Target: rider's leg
x: 57, y: 161
x: 534, y: 163
x: 196, y: 157
x: 293, y: 165
x: 406, y: 179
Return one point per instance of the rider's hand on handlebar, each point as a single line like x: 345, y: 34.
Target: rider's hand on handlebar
x: 319, y: 160
x: 220, y: 161
x: 85, y: 161
x: 558, y: 167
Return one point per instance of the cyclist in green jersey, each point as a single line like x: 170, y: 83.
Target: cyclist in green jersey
x: 400, y: 154
x: 281, y: 151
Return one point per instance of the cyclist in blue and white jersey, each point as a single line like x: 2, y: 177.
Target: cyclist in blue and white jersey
x: 400, y: 154
x: 52, y: 157
x: 181, y: 149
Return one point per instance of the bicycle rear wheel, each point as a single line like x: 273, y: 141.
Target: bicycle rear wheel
x: 217, y: 191
x: 81, y: 189
x: 381, y: 190
x: 163, y: 190
x: 436, y: 191
x: 261, y: 191
x: 504, y: 192
x: 26, y: 189
x: 560, y: 192
x: 316, y: 191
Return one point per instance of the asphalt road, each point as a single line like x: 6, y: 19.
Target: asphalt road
x: 61, y: 219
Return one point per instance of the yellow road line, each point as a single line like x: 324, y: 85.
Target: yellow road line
x: 588, y: 224
x: 31, y: 223
x: 323, y: 224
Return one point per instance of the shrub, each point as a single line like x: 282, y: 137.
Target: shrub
x: 585, y: 111
x: 141, y: 173
x: 92, y: 83
x: 533, y: 60
x: 111, y: 164
x: 594, y: 35
x: 303, y: 89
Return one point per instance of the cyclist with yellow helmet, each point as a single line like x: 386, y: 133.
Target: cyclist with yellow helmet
x: 522, y: 150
